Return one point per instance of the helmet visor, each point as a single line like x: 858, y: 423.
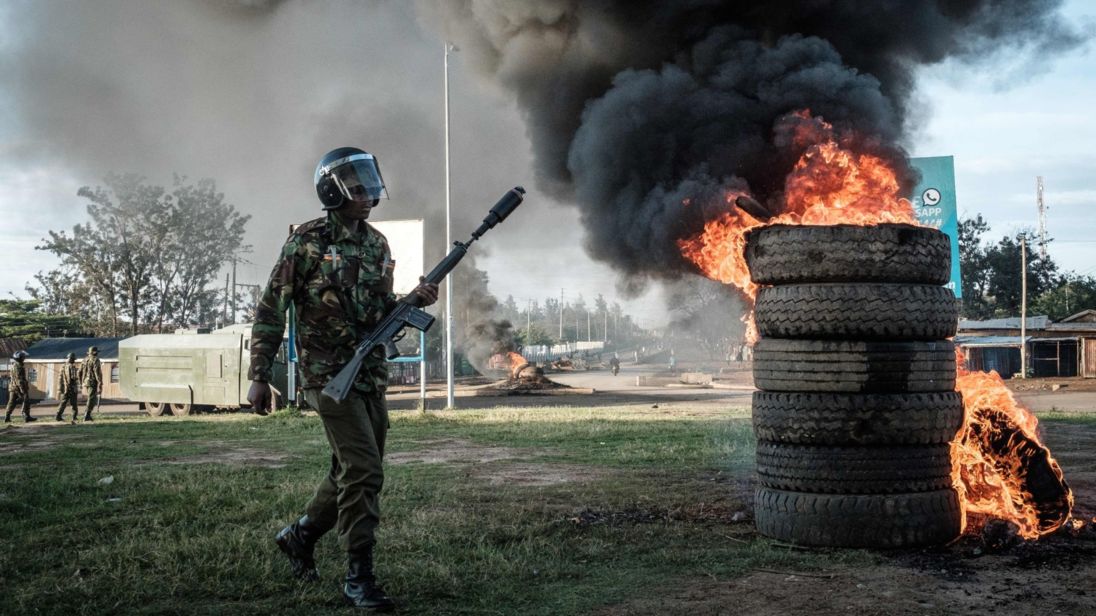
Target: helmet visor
x: 359, y: 178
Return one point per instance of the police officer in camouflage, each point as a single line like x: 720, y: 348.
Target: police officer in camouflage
x: 19, y: 388
x: 337, y: 272
x: 91, y: 375
x: 70, y: 388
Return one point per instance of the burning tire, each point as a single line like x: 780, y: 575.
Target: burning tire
x: 864, y: 419
x: 858, y: 520
x: 853, y: 367
x: 867, y: 311
x: 854, y: 470
x: 786, y: 254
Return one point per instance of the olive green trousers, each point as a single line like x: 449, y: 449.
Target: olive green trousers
x: 348, y: 498
x: 69, y: 398
x: 93, y: 399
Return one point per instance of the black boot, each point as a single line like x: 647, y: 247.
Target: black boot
x: 60, y: 416
x: 298, y: 542
x: 28, y: 419
x: 361, y: 588
x: 87, y: 417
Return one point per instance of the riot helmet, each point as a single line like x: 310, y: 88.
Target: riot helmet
x: 19, y: 355
x: 94, y: 350
x: 71, y: 357
x: 349, y: 174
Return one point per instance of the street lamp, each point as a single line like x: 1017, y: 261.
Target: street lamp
x: 449, y: 392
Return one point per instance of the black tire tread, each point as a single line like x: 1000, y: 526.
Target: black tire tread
x: 854, y: 470
x: 834, y: 366
x: 857, y: 419
x: 786, y: 254
x: 857, y: 311
x: 858, y: 520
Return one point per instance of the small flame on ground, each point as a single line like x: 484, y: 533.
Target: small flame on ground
x: 995, y: 452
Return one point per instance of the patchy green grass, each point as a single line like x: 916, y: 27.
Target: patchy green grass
x: 502, y: 511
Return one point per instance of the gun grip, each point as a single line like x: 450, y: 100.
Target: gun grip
x: 390, y: 350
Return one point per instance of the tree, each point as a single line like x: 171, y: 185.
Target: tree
x: 1076, y: 293
x: 25, y: 319
x: 992, y: 282
x: 973, y: 268
x: 148, y: 252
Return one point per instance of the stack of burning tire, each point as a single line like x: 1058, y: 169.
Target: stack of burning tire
x: 857, y: 404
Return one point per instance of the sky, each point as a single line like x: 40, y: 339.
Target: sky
x: 253, y: 92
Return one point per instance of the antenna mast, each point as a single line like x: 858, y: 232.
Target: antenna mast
x: 1042, y: 216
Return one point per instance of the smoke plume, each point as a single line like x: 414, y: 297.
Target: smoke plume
x: 643, y: 113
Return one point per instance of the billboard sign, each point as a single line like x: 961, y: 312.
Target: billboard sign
x: 934, y: 204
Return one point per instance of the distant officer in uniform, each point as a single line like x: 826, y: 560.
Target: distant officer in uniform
x: 337, y: 272
x: 19, y: 389
x: 70, y: 388
x: 91, y: 375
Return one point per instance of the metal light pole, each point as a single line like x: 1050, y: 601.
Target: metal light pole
x: 1023, y: 307
x: 449, y: 393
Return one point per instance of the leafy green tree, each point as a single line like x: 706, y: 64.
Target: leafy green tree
x: 25, y: 319
x: 146, y: 253
x: 973, y: 268
x: 1074, y: 294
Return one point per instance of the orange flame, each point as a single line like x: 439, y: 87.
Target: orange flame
x: 831, y: 184
x: 1000, y: 467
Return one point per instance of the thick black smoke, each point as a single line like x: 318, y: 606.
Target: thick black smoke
x: 643, y: 113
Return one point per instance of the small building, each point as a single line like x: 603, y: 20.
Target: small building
x: 46, y: 357
x: 1063, y: 349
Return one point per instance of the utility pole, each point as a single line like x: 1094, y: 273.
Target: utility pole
x: 1042, y: 216
x: 1023, y: 307
x: 233, y: 289
x: 224, y: 311
x: 605, y: 325
x: 529, y: 322
x: 561, y: 316
x: 450, y: 396
x: 588, y: 336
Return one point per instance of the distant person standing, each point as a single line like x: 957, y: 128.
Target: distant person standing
x: 673, y: 362
x: 91, y: 375
x: 19, y: 390
x: 70, y: 388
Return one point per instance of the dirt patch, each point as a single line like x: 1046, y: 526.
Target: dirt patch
x: 1052, y: 576
x: 234, y: 456
x: 495, y: 465
x: 31, y: 438
x: 453, y: 451
x: 533, y: 474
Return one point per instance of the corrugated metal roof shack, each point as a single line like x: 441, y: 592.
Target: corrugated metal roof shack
x: 47, y: 356
x: 1063, y: 349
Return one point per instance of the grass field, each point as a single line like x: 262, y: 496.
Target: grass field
x: 501, y: 511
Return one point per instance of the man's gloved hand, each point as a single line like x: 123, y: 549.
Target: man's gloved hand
x: 259, y: 397
x: 425, y: 294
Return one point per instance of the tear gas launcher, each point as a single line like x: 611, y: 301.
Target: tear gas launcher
x: 407, y: 313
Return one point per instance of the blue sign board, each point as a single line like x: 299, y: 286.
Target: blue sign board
x: 935, y: 205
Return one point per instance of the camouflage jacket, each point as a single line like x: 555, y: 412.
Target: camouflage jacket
x: 70, y: 378
x: 91, y: 372
x: 340, y: 282
x: 19, y: 377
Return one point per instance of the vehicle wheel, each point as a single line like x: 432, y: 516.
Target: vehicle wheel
x: 858, y: 520
x: 869, y: 311
x: 857, y: 419
x: 786, y: 254
x: 853, y: 367
x: 156, y: 409
x: 854, y: 470
x: 180, y: 409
